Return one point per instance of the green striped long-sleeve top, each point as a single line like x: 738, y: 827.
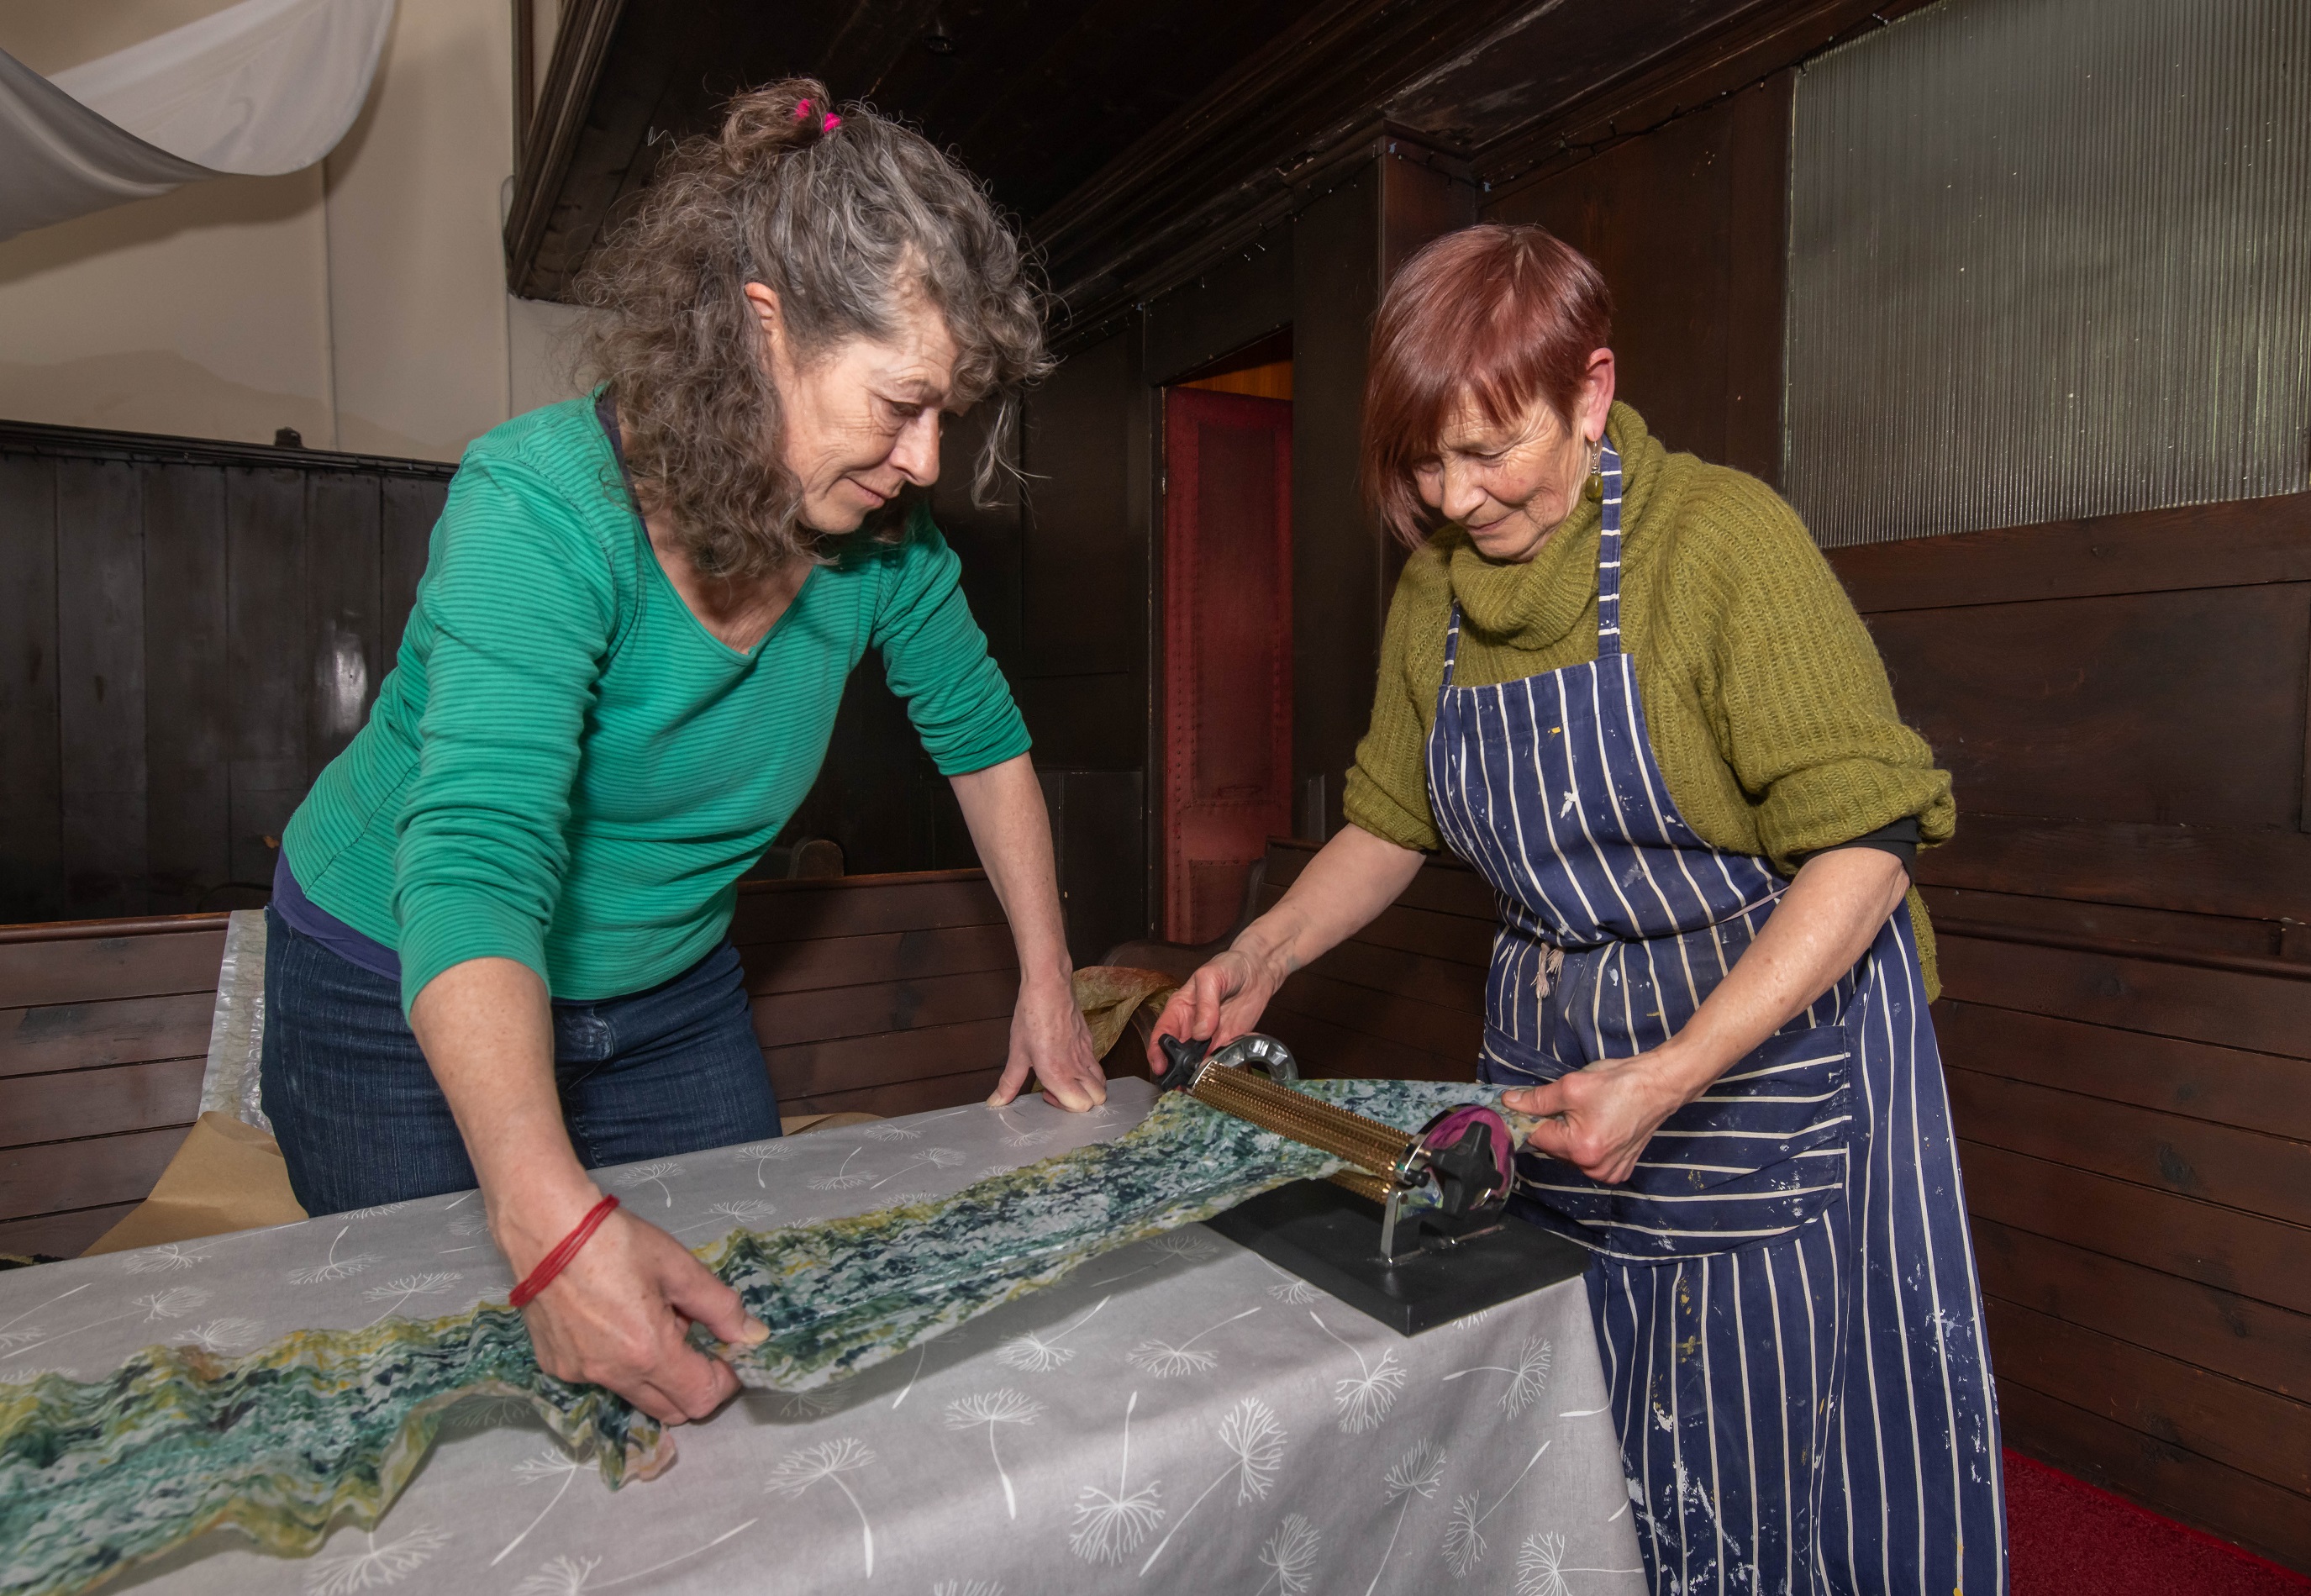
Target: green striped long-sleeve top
x: 566, y: 768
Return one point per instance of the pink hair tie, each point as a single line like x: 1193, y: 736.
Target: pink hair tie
x: 831, y: 124
x: 802, y: 109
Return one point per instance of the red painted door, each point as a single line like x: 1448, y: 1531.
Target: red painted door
x: 1227, y: 649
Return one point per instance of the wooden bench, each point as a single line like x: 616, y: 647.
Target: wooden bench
x: 888, y: 994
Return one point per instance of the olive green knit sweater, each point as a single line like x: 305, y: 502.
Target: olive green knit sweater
x: 1765, y: 702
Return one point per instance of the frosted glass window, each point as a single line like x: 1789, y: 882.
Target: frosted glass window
x: 2050, y: 258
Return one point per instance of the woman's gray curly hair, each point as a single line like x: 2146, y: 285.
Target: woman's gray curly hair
x: 843, y: 222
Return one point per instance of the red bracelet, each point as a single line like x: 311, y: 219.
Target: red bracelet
x: 555, y: 1262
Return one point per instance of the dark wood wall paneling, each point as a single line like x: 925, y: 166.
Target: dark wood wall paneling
x: 2123, y: 703
x: 191, y: 631
x: 1687, y: 225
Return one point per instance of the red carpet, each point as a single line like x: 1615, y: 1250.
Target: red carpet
x: 2067, y: 1539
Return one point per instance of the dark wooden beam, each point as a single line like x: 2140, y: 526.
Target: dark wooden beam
x: 564, y: 101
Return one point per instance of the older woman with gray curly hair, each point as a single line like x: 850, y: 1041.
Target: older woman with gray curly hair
x: 499, y: 950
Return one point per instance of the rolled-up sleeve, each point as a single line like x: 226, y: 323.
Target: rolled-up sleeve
x: 935, y: 658
x: 522, y: 608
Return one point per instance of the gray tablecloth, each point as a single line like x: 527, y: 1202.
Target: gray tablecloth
x: 1176, y: 1416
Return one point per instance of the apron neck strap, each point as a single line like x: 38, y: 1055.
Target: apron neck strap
x: 1609, y: 551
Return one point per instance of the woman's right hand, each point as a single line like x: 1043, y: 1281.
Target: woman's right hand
x: 1220, y: 1002
x: 619, y: 1316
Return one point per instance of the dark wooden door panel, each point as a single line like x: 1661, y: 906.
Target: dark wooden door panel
x: 81, y: 1103
x: 2146, y: 707
x: 2258, y: 874
x: 2249, y: 1340
x: 97, y: 969
x: 2256, y: 1012
x: 2243, y: 1253
x: 84, y: 1175
x: 771, y: 911
x: 2241, y: 1169
x: 2235, y: 1424
x: 89, y: 1035
x: 893, y: 956
x: 816, y: 1070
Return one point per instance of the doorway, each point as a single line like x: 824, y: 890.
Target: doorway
x: 1227, y: 633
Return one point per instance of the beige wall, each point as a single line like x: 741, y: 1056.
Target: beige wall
x: 362, y: 301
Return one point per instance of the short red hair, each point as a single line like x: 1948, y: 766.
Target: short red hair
x: 1498, y: 313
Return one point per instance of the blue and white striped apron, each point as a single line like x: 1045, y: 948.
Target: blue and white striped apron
x: 1783, y: 1290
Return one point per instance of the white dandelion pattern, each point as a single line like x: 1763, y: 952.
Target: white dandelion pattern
x: 556, y: 1466
x: 938, y: 1157
x: 1005, y: 1406
x: 844, y: 1177
x: 1291, y: 1553
x: 29, y: 1335
x: 1255, y: 1442
x: 762, y: 1152
x: 1464, y: 1541
x: 375, y: 1210
x: 973, y: 1587
x: 164, y: 1258
x: 1541, y: 1567
x: 1168, y: 1360
x: 651, y: 1174
x: 751, y: 1211
x: 798, y: 1471
x: 1527, y: 1381
x: 333, y: 1268
x: 223, y: 1335
x: 395, y: 1293
x: 1418, y: 1474
x: 1289, y: 1289
x: 374, y: 1565
x: 1110, y: 1527
x: 172, y: 1303
x: 892, y: 1130
x: 574, y: 1577
x: 1365, y: 1397
x: 1034, y: 1353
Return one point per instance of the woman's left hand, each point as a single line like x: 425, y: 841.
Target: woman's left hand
x: 1050, y: 1038
x: 1599, y: 1119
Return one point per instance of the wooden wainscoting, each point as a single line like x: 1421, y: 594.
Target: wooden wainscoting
x: 104, y: 1028
x: 1403, y: 998
x: 886, y: 993
x: 2126, y: 1010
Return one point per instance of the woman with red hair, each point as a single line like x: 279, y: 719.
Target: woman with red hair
x: 1624, y: 685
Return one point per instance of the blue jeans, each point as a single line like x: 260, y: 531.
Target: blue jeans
x: 360, y: 1120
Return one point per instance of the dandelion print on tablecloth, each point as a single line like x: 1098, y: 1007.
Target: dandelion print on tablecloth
x: 550, y: 1464
x: 1001, y: 1406
x: 173, y: 1303
x: 1364, y: 1398
x: 1289, y: 1289
x: 1464, y: 1541
x: 1110, y: 1527
x: 1034, y: 1353
x: 1527, y: 1381
x: 168, y: 1256
x: 1165, y: 1361
x: 1542, y: 1569
x: 1255, y: 1444
x: 751, y: 1211
x: 651, y: 1174
x: 374, y: 1565
x: 574, y: 1576
x: 14, y: 1332
x: 973, y: 1587
x: 1291, y: 1553
x: 1417, y: 1473
x: 760, y: 1153
x: 798, y: 1471
x: 395, y: 1292
x: 842, y: 1179
x: 333, y: 1268
x: 375, y: 1210
x: 224, y: 1335
x: 891, y: 1130
x: 939, y: 1157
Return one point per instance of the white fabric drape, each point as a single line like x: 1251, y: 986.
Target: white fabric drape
x: 259, y: 89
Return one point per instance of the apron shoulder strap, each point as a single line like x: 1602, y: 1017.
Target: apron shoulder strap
x: 1609, y: 550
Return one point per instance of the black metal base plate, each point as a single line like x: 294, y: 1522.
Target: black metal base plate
x: 1331, y: 1238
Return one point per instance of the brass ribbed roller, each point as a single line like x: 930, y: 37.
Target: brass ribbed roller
x: 1379, y: 1149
